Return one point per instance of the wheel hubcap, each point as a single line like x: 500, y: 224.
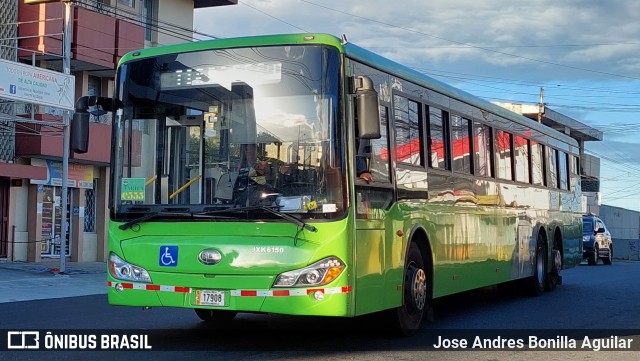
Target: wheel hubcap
x: 419, y: 288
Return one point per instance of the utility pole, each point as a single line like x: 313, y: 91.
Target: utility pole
x: 66, y: 123
x: 66, y: 68
x: 541, y: 105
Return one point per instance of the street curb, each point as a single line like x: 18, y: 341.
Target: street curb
x: 72, y: 267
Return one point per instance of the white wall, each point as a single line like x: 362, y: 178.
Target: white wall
x: 18, y: 218
x: 624, y: 225
x: 178, y: 12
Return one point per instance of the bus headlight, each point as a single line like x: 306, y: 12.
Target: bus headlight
x: 317, y: 274
x: 122, y: 270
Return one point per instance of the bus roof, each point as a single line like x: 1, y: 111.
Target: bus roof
x: 249, y: 41
x: 357, y: 53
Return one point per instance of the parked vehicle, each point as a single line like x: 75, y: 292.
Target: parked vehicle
x: 596, y: 240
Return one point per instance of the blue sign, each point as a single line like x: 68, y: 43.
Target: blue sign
x: 12, y: 89
x: 168, y: 256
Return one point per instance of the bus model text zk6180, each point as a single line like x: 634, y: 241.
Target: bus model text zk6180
x: 236, y: 184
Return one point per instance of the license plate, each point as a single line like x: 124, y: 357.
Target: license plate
x: 209, y: 298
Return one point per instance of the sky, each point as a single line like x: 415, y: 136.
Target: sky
x: 585, y: 54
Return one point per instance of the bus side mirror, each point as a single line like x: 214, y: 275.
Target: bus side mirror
x: 80, y: 132
x: 80, y: 122
x: 367, y: 108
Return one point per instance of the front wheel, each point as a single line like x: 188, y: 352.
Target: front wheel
x: 215, y: 316
x: 609, y: 259
x: 408, y: 317
x: 593, y: 258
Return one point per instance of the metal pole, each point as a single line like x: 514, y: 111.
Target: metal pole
x: 541, y: 105
x: 33, y: 106
x: 66, y: 68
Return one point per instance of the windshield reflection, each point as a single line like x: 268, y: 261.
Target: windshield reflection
x: 230, y: 128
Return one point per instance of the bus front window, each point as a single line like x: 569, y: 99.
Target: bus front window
x: 230, y: 128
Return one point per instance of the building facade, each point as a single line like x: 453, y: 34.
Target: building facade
x: 31, y: 138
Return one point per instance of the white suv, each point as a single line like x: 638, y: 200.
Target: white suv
x: 596, y: 241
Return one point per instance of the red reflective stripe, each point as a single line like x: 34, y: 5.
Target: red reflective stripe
x: 108, y: 283
x: 281, y: 292
x: 127, y: 285
x: 153, y: 287
x: 182, y: 289
x: 249, y: 293
x: 310, y: 291
x: 346, y: 289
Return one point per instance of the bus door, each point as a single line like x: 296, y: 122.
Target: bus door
x: 374, y: 239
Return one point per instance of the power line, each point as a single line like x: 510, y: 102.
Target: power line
x: 510, y: 46
x: 471, y: 45
x: 273, y: 17
x: 466, y: 76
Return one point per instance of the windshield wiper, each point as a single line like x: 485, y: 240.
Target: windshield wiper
x: 293, y: 219
x: 149, y: 216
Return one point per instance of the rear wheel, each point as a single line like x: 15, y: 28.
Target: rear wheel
x: 408, y: 317
x: 215, y: 316
x: 553, y: 277
x: 538, y: 281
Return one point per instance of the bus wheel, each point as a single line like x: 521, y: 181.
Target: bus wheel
x: 554, y: 278
x: 215, y: 316
x: 407, y: 318
x: 539, y: 278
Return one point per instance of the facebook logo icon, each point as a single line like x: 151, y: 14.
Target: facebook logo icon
x: 12, y: 89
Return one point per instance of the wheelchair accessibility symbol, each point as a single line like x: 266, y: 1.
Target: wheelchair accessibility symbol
x: 168, y: 256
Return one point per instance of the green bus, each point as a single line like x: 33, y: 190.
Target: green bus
x: 236, y: 184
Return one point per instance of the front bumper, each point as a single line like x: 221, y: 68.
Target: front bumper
x: 242, y: 294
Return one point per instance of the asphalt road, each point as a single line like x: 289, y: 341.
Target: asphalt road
x: 597, y: 300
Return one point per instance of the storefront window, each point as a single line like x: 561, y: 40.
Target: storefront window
x: 51, y: 219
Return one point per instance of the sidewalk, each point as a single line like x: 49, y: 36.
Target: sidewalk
x: 25, y: 281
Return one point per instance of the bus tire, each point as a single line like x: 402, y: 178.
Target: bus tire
x: 408, y: 317
x: 215, y: 316
x: 539, y: 279
x: 553, y: 277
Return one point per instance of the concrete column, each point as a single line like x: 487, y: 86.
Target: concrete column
x: 18, y: 222
x: 77, y: 224
x: 34, y: 223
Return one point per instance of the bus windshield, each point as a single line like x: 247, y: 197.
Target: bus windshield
x: 216, y: 129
